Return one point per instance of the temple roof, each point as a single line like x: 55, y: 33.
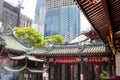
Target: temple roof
x: 13, y: 44
x: 21, y: 68
x: 79, y: 50
x: 14, y: 68
x: 25, y: 56
x: 17, y: 57
x: 36, y: 70
x: 104, y: 16
x: 95, y: 49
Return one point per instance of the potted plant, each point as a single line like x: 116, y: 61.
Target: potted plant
x: 104, y: 74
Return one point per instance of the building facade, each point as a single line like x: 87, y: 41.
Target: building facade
x: 9, y: 16
x: 25, y: 21
x: 62, y: 17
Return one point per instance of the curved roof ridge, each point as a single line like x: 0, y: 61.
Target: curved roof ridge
x: 13, y: 44
x: 12, y: 69
x: 20, y: 41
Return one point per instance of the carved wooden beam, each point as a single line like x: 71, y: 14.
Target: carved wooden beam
x: 110, y: 36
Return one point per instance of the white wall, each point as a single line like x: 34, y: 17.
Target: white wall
x: 117, y: 56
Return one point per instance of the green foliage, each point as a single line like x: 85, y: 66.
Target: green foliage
x: 55, y: 39
x: 32, y: 36
x: 104, y: 74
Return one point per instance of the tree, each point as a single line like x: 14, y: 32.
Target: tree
x: 33, y: 37
x: 55, y: 39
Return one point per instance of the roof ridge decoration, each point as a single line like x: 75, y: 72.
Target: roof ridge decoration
x: 17, y: 57
x: 78, y: 50
x: 12, y: 69
x: 25, y: 56
x: 13, y: 43
x: 21, y: 41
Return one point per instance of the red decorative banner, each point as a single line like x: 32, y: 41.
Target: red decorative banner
x: 95, y: 59
x: 66, y: 60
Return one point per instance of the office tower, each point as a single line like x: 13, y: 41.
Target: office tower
x: 40, y: 15
x: 9, y: 17
x: 1, y: 10
x: 62, y: 17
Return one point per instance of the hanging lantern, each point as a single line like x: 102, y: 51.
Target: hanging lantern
x: 93, y: 59
x: 89, y: 59
x: 72, y: 66
x: 96, y: 60
x: 99, y: 60
x: 15, y: 62
x: 102, y: 59
x: 4, y: 61
x: 96, y: 66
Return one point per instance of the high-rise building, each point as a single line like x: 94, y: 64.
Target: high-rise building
x: 25, y: 21
x: 9, y: 16
x: 40, y: 15
x: 1, y: 9
x: 58, y: 17
x: 62, y: 17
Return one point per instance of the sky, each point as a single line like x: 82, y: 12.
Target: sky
x: 29, y: 9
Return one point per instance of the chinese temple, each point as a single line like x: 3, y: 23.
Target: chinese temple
x: 56, y: 62
x: 71, y: 61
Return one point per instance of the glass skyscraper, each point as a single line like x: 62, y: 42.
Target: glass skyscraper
x: 61, y: 17
x: 39, y: 17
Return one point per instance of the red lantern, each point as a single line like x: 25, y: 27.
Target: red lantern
x: 96, y: 60
x: 4, y: 61
x: 102, y: 59
x: 99, y: 60
x: 96, y: 67
x: 90, y: 60
x: 15, y: 62
x: 72, y: 66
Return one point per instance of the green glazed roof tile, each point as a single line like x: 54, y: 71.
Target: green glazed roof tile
x: 74, y: 50
x: 13, y: 44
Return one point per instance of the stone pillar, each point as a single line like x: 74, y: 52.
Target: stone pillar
x: 78, y: 71
x: 110, y: 65
x: 81, y: 69
x: 117, y: 60
x: 68, y: 72
x: 46, y: 74
x: 55, y: 74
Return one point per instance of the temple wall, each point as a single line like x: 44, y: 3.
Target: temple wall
x: 117, y: 57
